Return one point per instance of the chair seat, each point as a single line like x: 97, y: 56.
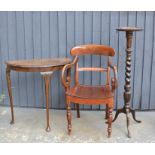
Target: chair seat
x: 91, y: 92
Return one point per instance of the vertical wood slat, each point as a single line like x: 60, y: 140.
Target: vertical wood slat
x: 21, y: 55
x: 88, y: 33
x: 105, y: 36
x: 70, y: 28
x: 79, y: 40
x: 121, y: 60
x: 12, y: 50
x: 62, y: 23
x: 37, y: 51
x: 70, y: 41
x: 45, y: 44
x: 28, y: 31
x: 54, y: 52
x: 28, y: 35
x: 1, y: 80
x: 96, y: 62
x: 132, y: 23
x: 152, y: 89
x: 139, y: 45
x: 4, y: 52
x: 114, y: 36
x: 147, y: 61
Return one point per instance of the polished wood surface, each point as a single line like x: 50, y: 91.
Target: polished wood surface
x: 45, y: 67
x: 129, y: 29
x: 82, y: 94
x: 127, y: 87
x: 91, y: 92
x: 93, y: 50
x: 37, y: 65
x: 92, y: 69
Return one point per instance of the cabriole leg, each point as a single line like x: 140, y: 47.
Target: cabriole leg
x: 46, y: 77
x: 10, y: 93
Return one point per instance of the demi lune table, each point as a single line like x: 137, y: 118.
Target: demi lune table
x: 45, y: 66
x: 127, y: 87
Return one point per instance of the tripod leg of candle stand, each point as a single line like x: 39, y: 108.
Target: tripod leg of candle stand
x: 8, y: 79
x: 46, y: 77
x: 127, y: 86
x: 122, y: 110
x: 134, y: 116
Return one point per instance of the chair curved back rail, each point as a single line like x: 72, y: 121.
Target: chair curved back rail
x: 92, y: 49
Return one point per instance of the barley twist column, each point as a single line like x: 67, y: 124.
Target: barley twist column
x: 127, y: 87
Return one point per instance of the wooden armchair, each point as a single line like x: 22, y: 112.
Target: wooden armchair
x: 83, y: 94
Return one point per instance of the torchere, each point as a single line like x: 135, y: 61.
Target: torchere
x: 127, y: 87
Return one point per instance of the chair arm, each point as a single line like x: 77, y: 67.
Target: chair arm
x: 114, y: 80
x: 66, y: 79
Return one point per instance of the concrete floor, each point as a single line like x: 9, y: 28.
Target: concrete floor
x: 30, y: 127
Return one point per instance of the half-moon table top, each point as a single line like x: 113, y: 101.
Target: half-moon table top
x: 129, y: 29
x: 38, y: 65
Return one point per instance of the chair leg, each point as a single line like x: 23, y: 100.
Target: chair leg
x: 109, y: 121
x: 69, y: 117
x: 78, y: 110
x: 106, y: 112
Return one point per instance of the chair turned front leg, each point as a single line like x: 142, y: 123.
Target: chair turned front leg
x: 109, y: 121
x: 106, y: 112
x: 69, y: 117
x: 78, y: 110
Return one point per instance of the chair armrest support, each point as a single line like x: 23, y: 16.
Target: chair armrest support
x: 114, y: 80
x: 67, y: 69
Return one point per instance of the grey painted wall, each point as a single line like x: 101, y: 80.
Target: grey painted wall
x: 28, y: 35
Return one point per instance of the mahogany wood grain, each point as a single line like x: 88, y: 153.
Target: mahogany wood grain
x: 45, y: 67
x: 85, y: 94
x: 37, y: 65
x: 92, y: 49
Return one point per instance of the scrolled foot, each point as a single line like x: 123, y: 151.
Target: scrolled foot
x: 134, y: 116
x: 12, y: 122
x: 48, y: 129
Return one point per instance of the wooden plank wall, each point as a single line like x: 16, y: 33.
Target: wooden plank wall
x: 29, y: 35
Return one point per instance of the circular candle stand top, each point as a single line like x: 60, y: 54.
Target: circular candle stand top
x: 129, y: 29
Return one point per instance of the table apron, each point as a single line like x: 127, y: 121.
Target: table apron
x: 35, y: 69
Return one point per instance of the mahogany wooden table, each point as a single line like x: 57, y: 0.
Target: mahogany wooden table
x: 127, y: 87
x: 45, y: 66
